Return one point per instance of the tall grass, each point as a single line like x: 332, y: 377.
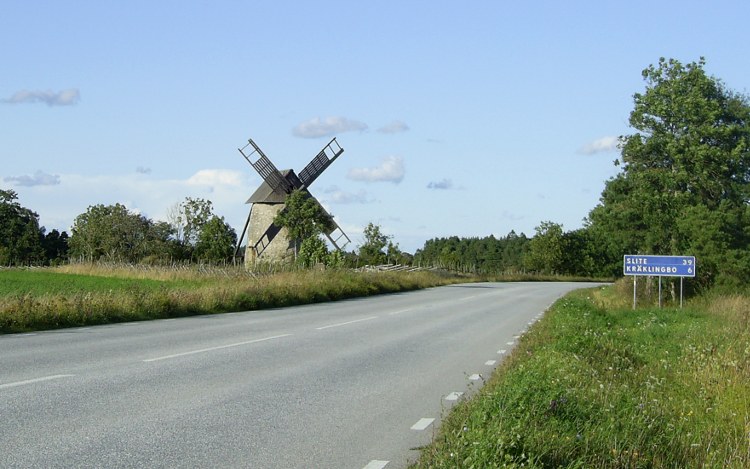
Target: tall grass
x: 596, y: 385
x: 80, y: 295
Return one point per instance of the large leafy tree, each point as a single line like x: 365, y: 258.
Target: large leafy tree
x: 20, y: 235
x: 689, y: 155
x: 303, y: 218
x: 111, y: 232
x: 216, y: 241
x: 546, y: 252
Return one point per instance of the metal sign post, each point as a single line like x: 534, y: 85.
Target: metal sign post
x: 658, y: 266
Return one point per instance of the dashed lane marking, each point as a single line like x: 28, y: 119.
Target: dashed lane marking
x: 32, y: 381
x: 501, y: 352
x: 490, y: 362
x: 422, y: 424
x: 475, y: 377
x: 211, y: 349
x: 375, y: 464
x: 345, y: 323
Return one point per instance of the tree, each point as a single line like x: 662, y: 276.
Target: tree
x: 690, y: 151
x: 312, y: 251
x: 546, y: 252
x: 372, y: 251
x: 55, y: 245
x: 110, y: 232
x: 216, y: 241
x: 20, y: 235
x: 303, y: 218
x: 196, y: 213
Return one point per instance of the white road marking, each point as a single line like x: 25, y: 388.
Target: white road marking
x: 400, y: 311
x: 422, y: 424
x: 490, y: 362
x: 475, y: 377
x: 211, y: 349
x: 346, y: 323
x: 32, y: 381
x: 375, y: 464
x: 453, y: 396
x: 510, y: 343
x: 501, y: 352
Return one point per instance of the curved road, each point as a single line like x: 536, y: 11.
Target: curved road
x: 351, y: 384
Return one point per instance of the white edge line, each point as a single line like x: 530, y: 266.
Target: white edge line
x: 475, y: 377
x: 453, y: 396
x: 375, y: 464
x: 32, y: 381
x: 490, y: 362
x: 501, y: 352
x: 422, y: 424
x: 345, y: 323
x: 211, y: 349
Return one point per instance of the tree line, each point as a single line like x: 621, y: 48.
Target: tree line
x: 116, y: 234
x: 683, y: 189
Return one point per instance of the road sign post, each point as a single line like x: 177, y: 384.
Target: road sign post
x: 658, y: 266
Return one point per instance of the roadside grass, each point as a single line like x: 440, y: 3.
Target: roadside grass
x: 78, y: 295
x: 596, y: 385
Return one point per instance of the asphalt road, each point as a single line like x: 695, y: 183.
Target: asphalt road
x: 351, y: 384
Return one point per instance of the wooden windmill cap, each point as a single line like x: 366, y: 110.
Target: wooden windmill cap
x: 266, y: 195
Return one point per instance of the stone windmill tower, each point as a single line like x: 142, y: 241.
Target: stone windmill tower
x: 265, y: 240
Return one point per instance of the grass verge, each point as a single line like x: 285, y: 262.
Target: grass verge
x: 607, y: 387
x: 79, y: 295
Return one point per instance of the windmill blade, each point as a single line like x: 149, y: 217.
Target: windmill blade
x: 265, y: 168
x: 321, y: 161
x: 336, y: 236
x: 244, y: 230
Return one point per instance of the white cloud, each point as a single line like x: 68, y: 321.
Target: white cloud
x: 601, y: 145
x: 443, y: 184
x: 391, y: 169
x: 394, y: 127
x: 58, y: 205
x: 40, y: 178
x: 67, y: 97
x: 321, y: 127
x: 336, y: 196
x: 215, y: 177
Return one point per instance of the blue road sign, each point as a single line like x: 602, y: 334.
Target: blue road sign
x: 659, y: 266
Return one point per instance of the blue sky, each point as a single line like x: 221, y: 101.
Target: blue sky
x: 457, y: 118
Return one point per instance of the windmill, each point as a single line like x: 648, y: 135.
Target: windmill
x: 265, y: 239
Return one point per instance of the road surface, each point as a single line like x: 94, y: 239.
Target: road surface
x: 351, y: 384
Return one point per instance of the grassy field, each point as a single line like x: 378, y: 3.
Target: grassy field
x: 80, y: 295
x: 595, y: 384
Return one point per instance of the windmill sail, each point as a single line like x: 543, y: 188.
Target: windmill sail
x: 335, y: 235
x: 321, y: 161
x: 265, y: 168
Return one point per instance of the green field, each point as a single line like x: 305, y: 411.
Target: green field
x: 596, y: 385
x: 17, y: 282
x: 78, y: 295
